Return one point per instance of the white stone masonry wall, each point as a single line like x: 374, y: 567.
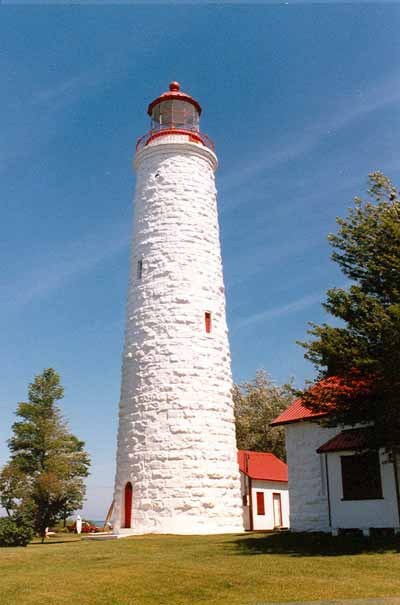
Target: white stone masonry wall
x: 176, y: 441
x: 307, y: 482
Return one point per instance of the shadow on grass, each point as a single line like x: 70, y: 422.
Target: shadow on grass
x: 314, y: 544
x: 59, y: 541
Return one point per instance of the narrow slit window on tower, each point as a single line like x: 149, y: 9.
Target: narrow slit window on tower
x: 207, y: 321
x: 139, y: 269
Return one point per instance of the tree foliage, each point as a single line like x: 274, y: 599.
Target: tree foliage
x: 44, y: 476
x: 15, y: 532
x: 359, y: 359
x: 257, y: 404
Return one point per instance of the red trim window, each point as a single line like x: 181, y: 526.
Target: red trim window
x: 207, y: 321
x: 260, y: 503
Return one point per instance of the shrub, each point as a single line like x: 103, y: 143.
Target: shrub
x: 14, y: 532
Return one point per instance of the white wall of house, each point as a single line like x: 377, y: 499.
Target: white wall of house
x: 307, y: 482
x: 362, y: 514
x: 268, y: 488
x: 309, y: 509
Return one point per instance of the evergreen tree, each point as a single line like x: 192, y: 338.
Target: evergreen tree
x: 257, y: 404
x: 44, y: 476
x: 358, y: 360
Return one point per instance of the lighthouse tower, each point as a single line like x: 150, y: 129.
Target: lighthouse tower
x: 177, y: 468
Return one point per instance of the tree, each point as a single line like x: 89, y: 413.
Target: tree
x: 257, y: 403
x: 12, y: 489
x: 44, y: 477
x: 358, y: 360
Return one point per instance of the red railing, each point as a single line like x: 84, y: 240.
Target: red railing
x: 194, y: 137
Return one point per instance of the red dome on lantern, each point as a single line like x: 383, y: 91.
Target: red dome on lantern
x: 174, y: 94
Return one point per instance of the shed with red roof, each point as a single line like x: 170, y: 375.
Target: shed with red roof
x: 264, y: 487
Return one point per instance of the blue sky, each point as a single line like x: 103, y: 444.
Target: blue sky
x: 302, y: 102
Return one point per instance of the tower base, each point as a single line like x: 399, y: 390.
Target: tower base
x: 201, y: 531
x: 185, y: 526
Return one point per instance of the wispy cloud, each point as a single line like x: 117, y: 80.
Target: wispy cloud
x: 349, y: 110
x: 68, y: 90
x: 296, y: 305
x: 64, y: 264
x: 241, y: 268
x: 274, y: 312
x: 38, y: 114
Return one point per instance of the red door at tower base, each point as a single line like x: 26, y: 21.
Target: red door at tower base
x: 128, y: 505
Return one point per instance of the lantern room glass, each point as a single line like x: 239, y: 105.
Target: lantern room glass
x: 176, y: 114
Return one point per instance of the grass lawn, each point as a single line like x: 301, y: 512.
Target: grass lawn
x: 245, y: 569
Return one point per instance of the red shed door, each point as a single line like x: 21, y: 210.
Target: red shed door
x: 128, y: 504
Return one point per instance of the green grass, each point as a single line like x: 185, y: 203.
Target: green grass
x: 243, y: 569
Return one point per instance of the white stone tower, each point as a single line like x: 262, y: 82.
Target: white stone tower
x: 177, y: 468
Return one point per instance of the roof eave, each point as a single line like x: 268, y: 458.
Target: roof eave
x: 264, y: 478
x: 308, y: 419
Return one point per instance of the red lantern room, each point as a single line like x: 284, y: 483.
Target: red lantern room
x: 175, y: 113
x: 174, y: 109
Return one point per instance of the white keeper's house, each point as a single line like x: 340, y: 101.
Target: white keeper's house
x: 264, y: 488
x: 335, y: 482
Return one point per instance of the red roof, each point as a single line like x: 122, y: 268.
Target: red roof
x: 174, y: 93
x: 296, y: 412
x: 261, y: 465
x: 351, y: 439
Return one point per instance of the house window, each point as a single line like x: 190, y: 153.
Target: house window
x: 139, y: 269
x: 361, y: 476
x: 260, y: 503
x: 207, y: 320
